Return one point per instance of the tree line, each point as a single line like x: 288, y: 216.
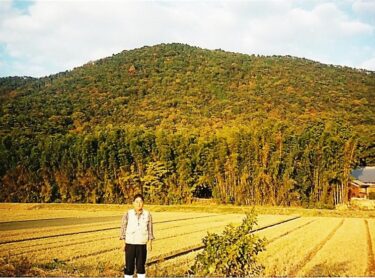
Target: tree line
x: 265, y: 163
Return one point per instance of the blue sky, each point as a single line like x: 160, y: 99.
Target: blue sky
x: 22, y: 5
x: 40, y: 37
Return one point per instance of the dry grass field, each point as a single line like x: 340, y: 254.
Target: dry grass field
x: 76, y: 240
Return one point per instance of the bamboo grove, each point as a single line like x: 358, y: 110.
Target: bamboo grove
x: 266, y: 163
x: 178, y: 122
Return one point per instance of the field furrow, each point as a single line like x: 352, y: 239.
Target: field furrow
x: 282, y: 256
x: 177, y: 267
x: 161, y: 228
x: 370, y: 233
x: 296, y: 246
x: 42, y: 236
x: 160, y: 247
x: 273, y: 232
x: 51, y: 232
x: 82, y: 249
x: 177, y: 242
x: 312, y: 253
x: 342, y: 255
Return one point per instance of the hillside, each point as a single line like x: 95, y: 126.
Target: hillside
x: 182, y: 86
x: 179, y: 90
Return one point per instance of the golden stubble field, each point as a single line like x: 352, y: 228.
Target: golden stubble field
x: 83, y: 240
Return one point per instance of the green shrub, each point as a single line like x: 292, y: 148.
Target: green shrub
x: 371, y: 195
x: 234, y: 253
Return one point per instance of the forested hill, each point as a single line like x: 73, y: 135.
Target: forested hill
x: 172, y: 96
x: 182, y: 86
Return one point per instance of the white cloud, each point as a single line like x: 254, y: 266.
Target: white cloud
x: 364, y: 6
x: 314, y: 34
x: 368, y: 64
x: 58, y: 35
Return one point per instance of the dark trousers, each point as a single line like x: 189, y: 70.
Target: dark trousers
x: 135, y: 255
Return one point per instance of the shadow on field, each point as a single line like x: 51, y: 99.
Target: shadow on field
x: 329, y: 269
x: 41, y: 223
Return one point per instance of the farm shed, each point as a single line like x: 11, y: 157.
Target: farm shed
x: 363, y: 183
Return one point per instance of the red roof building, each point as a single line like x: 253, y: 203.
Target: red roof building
x: 363, y: 183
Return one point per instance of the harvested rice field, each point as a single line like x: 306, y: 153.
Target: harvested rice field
x: 70, y: 241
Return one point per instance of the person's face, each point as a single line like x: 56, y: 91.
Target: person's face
x: 138, y: 204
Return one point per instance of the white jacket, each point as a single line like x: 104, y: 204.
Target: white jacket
x: 137, y: 229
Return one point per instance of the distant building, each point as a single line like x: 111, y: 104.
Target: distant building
x: 363, y: 183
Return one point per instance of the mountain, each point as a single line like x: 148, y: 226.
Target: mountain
x: 184, y: 86
x: 179, y: 88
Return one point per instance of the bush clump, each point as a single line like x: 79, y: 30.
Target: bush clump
x: 234, y: 253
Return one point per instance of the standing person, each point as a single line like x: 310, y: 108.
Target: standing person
x: 136, y: 231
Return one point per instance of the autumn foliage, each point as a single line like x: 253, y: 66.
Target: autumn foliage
x: 177, y: 122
